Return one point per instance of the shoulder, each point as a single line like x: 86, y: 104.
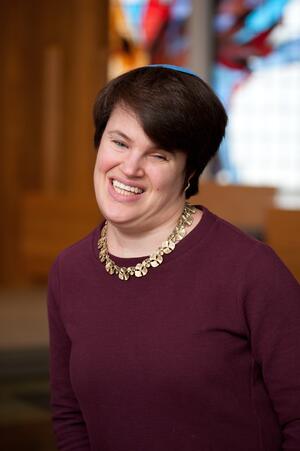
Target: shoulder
x: 267, y: 272
x: 253, y: 259
x: 228, y: 230
x: 264, y: 285
x: 226, y: 239
x: 81, y: 247
x: 78, y: 255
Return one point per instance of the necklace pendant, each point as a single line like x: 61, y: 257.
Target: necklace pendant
x: 123, y: 274
x: 109, y: 268
x: 144, y: 270
x: 140, y: 270
x: 180, y: 234
x: 156, y: 260
x: 167, y: 247
x: 102, y: 257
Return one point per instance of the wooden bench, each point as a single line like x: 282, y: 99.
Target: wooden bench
x: 49, y: 224
x: 244, y: 206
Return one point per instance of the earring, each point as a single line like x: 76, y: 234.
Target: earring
x: 187, y: 187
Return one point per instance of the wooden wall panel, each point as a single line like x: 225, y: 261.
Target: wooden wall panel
x: 85, y: 62
x: 53, y: 57
x: 14, y: 119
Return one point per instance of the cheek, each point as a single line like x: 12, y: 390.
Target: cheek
x: 167, y: 181
x: 104, y: 161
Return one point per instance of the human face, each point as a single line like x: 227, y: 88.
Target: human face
x: 138, y: 186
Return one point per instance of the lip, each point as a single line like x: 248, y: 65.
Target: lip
x: 120, y: 197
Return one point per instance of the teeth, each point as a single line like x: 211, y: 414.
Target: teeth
x: 125, y: 189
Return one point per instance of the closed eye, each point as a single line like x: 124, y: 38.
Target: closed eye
x: 160, y: 157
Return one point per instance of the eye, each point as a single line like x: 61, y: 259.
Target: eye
x: 119, y: 143
x: 160, y: 156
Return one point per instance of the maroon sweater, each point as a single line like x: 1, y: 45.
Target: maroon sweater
x: 202, y: 354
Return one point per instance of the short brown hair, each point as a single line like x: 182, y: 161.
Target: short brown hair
x: 178, y: 112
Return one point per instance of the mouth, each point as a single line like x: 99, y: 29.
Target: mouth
x: 126, y: 190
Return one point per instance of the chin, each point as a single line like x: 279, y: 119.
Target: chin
x: 115, y: 214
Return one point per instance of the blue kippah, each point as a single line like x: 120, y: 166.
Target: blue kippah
x: 178, y: 68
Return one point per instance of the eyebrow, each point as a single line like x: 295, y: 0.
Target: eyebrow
x: 118, y: 132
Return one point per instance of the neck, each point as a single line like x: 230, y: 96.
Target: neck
x: 129, y: 243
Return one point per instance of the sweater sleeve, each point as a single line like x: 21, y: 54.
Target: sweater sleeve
x: 68, y: 423
x: 271, y: 299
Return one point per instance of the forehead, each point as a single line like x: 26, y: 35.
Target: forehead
x: 125, y: 119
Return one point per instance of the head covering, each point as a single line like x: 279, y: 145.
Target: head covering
x: 178, y: 68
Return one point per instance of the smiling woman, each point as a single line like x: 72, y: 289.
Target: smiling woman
x: 170, y: 329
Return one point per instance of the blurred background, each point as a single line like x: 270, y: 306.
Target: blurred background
x: 55, y: 56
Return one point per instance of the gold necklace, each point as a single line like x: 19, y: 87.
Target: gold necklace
x: 155, y: 259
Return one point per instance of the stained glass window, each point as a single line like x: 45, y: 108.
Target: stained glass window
x: 257, y: 75
x: 147, y: 31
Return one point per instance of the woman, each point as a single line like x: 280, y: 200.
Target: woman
x: 170, y: 329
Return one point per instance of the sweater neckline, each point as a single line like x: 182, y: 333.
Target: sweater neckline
x: 194, y: 238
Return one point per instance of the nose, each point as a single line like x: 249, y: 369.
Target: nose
x: 132, y: 165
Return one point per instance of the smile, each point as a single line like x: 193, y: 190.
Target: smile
x: 126, y: 190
